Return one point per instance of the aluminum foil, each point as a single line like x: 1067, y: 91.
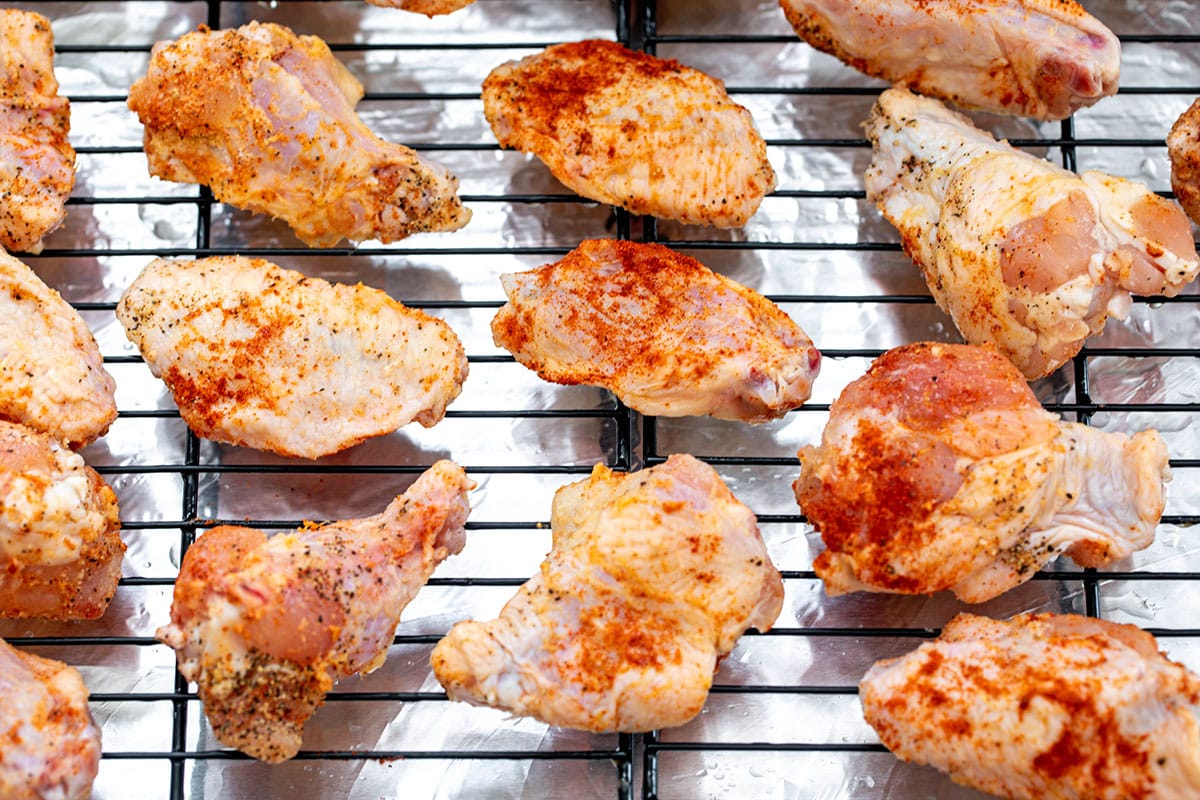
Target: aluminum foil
x: 422, y: 77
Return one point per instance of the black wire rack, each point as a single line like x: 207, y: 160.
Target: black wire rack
x: 782, y: 719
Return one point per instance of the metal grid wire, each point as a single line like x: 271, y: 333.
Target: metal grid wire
x: 782, y: 731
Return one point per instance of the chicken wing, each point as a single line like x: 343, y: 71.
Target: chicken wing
x: 661, y: 330
x: 653, y: 576
x: 1021, y: 253
x: 52, y: 376
x: 264, y: 357
x: 49, y: 743
x: 429, y: 8
x: 265, y: 627
x: 1043, y: 707
x: 266, y: 119
x: 1044, y: 59
x: 634, y: 131
x: 60, y: 546
x: 938, y: 469
x: 1183, y: 148
x: 37, y: 163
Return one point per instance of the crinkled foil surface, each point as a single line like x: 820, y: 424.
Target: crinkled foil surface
x: 783, y: 720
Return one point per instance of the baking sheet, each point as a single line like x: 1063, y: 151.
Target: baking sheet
x: 783, y: 721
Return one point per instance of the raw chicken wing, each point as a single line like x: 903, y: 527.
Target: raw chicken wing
x: 1044, y: 59
x: 652, y: 578
x: 265, y: 627
x: 52, y: 376
x: 264, y: 357
x: 1043, y: 707
x: 1183, y: 148
x: 429, y: 8
x: 938, y: 469
x: 49, y: 743
x: 666, y: 334
x: 1021, y: 253
x: 37, y: 163
x: 60, y: 546
x: 266, y: 119
x: 631, y: 130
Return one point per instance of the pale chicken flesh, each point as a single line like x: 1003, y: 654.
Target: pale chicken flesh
x: 625, y: 128
x: 1183, y: 149
x: 652, y: 578
x: 666, y: 334
x: 939, y: 469
x: 52, y: 376
x: 264, y: 357
x: 429, y: 8
x: 1044, y: 59
x: 266, y: 626
x: 266, y: 119
x: 49, y: 743
x: 1043, y: 707
x: 60, y: 546
x: 37, y: 163
x: 1019, y: 252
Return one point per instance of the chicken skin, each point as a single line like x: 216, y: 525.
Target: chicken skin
x: 37, y: 163
x: 1043, y: 707
x: 662, y: 331
x: 652, y: 578
x: 264, y: 357
x: 266, y: 119
x: 60, y: 546
x: 1019, y: 252
x: 938, y: 469
x: 1044, y: 59
x: 52, y: 376
x: 265, y: 627
x: 1183, y: 148
x: 49, y: 743
x: 628, y: 129
x: 429, y: 8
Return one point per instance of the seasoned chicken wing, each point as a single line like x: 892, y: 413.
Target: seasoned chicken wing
x: 666, y: 334
x: 652, y: 578
x: 265, y: 627
x: 1021, y: 253
x: 634, y: 131
x: 49, y: 743
x: 60, y: 546
x: 1044, y: 59
x: 52, y: 376
x: 1043, y: 707
x: 938, y: 469
x: 1183, y: 148
x: 37, y: 163
x: 266, y: 119
x: 264, y: 357
x: 429, y: 8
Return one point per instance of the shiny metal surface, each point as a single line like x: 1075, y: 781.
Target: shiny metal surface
x: 783, y: 720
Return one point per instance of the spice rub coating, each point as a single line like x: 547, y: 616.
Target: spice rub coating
x: 652, y: 577
x: 1020, y: 252
x: 625, y: 128
x: 266, y: 626
x: 662, y: 331
x: 263, y: 357
x: 1044, y: 59
x: 1043, y: 707
x: 52, y: 376
x: 37, y: 162
x: 266, y: 119
x: 939, y: 469
x: 49, y: 743
x: 1183, y: 148
x: 60, y: 542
